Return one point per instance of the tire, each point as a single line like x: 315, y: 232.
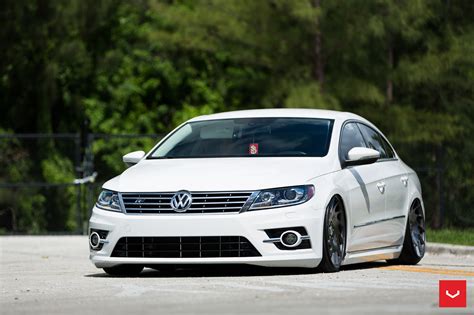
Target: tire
x: 124, y: 270
x: 334, y: 236
x: 414, y: 244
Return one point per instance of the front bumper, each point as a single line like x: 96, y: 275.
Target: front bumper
x: 251, y: 225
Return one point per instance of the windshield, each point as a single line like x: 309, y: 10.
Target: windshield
x: 248, y: 137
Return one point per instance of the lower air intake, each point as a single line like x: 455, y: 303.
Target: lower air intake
x: 185, y: 247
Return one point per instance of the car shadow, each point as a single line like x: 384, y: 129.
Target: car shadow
x: 201, y: 271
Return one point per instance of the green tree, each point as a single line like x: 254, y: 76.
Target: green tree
x: 144, y: 66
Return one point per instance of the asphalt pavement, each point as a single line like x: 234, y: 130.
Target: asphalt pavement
x: 53, y: 275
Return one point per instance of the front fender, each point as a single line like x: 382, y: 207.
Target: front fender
x: 326, y: 187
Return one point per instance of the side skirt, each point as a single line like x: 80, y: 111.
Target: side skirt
x: 382, y: 253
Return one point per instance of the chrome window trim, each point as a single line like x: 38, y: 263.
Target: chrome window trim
x: 357, y: 121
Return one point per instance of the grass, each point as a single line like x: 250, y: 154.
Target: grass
x: 451, y: 236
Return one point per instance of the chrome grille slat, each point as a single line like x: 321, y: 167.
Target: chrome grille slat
x: 218, y: 203
x: 192, y: 208
x: 150, y: 209
x: 213, y: 208
x: 226, y: 197
x: 150, y: 199
x: 139, y: 205
x: 150, y: 194
x: 203, y: 202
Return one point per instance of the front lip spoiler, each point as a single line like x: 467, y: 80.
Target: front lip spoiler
x: 305, y: 258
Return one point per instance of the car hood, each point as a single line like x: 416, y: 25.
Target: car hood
x: 219, y: 174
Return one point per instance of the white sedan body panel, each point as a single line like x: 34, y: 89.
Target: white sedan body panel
x: 218, y: 174
x: 376, y: 199
x: 250, y: 225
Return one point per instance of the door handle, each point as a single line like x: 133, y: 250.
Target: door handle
x: 404, y: 180
x: 381, y: 187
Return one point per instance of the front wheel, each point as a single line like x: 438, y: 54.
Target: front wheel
x: 334, y: 236
x: 415, y: 237
x: 124, y: 270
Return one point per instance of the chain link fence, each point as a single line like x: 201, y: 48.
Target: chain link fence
x: 49, y: 182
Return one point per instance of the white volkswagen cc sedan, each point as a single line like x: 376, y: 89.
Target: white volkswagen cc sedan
x: 272, y: 187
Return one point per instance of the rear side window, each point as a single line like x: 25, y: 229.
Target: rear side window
x: 377, y: 142
x: 351, y: 138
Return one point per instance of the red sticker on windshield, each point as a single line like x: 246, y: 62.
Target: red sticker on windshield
x: 253, y: 148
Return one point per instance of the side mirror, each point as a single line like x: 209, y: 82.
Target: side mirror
x: 361, y: 156
x: 133, y: 158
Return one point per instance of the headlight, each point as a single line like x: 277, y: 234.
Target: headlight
x: 109, y: 200
x: 281, y: 197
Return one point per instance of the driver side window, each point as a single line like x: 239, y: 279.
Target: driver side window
x: 376, y: 142
x: 351, y: 138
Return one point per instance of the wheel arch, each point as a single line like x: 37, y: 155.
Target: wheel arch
x: 412, y: 197
x: 327, y: 187
x: 410, y: 202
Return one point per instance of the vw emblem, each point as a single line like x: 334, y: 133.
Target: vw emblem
x: 181, y: 201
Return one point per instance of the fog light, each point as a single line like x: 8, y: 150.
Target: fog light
x: 94, y: 240
x: 290, y: 238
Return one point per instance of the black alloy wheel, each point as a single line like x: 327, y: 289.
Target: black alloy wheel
x: 334, y: 236
x: 414, y: 245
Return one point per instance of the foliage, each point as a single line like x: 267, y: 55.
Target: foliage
x: 24, y: 214
x: 145, y: 66
x: 451, y: 235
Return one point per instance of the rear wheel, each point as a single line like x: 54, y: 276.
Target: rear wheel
x: 334, y: 236
x: 124, y: 270
x: 415, y: 237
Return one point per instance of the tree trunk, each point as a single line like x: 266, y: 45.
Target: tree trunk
x: 318, y: 68
x: 439, y: 210
x: 389, y: 93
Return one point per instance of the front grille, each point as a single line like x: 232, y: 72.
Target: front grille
x: 203, y: 202
x: 185, y: 247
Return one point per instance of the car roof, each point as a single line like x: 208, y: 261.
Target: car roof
x: 282, y: 112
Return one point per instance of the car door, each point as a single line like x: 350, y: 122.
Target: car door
x: 366, y: 196
x: 395, y: 180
